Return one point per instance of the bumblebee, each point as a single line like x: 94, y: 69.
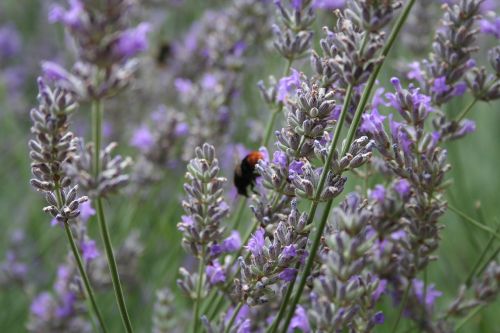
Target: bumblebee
x: 244, y: 173
x: 163, y: 53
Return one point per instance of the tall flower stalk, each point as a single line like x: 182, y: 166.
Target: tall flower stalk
x: 314, y: 205
x: 52, y: 149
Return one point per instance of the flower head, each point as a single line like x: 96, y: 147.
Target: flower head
x: 256, y: 242
x: 132, y: 42
x: 215, y: 273
x: 300, y: 321
x: 142, y: 138
x: 287, y: 84
x: 288, y: 274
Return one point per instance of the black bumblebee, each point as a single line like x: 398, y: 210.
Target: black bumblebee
x: 244, y: 173
x: 163, y: 53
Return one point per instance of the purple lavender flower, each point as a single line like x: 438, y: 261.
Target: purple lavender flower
x: 209, y: 81
x: 328, y: 4
x: 183, y: 86
x: 378, y: 193
x: 289, y: 251
x: 300, y: 321
x: 379, y: 318
x: 89, y: 250
x: 490, y: 28
x: 232, y: 243
x: 142, y: 138
x: 415, y: 72
x: 288, y: 274
x: 466, y: 126
x: 86, y: 211
x: 459, y: 89
x: 430, y: 296
x: 296, y: 167
x: 440, y: 86
x: 280, y: 159
x: 181, y: 129
x: 55, y: 72
x: 10, y: 42
x: 71, y: 18
x: 41, y: 306
x: 132, y: 42
x: 402, y: 186
x: 372, y: 122
x: 215, y: 273
x: 256, y: 242
x: 287, y: 84
x: 67, y: 306
x: 240, y: 317
x: 382, y: 285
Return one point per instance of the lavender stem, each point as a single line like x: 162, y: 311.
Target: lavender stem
x: 96, y: 133
x: 233, y: 317
x: 85, y: 278
x: 201, y: 269
x: 474, y: 222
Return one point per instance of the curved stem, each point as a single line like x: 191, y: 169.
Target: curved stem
x: 85, y: 278
x: 282, y: 309
x: 466, y: 110
x: 196, y: 313
x: 86, y: 281
x: 469, y: 316
x: 270, y: 126
x: 96, y: 136
x: 115, y: 278
x: 474, y: 222
x: 233, y: 317
x: 474, y: 269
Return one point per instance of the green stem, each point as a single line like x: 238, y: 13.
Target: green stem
x: 239, y: 214
x: 219, y: 301
x: 201, y: 269
x: 96, y: 136
x: 270, y: 126
x: 466, y: 110
x: 233, y: 317
x: 85, y: 278
x: 115, y: 278
x: 474, y: 222
x: 487, y: 262
x: 469, y: 316
x: 350, y: 136
x: 480, y: 259
x: 402, y: 307
x: 282, y: 309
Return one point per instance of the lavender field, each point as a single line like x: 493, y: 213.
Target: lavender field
x: 237, y: 166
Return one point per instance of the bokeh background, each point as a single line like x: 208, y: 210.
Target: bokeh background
x: 150, y: 212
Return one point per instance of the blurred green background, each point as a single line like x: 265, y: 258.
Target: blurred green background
x: 475, y: 189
